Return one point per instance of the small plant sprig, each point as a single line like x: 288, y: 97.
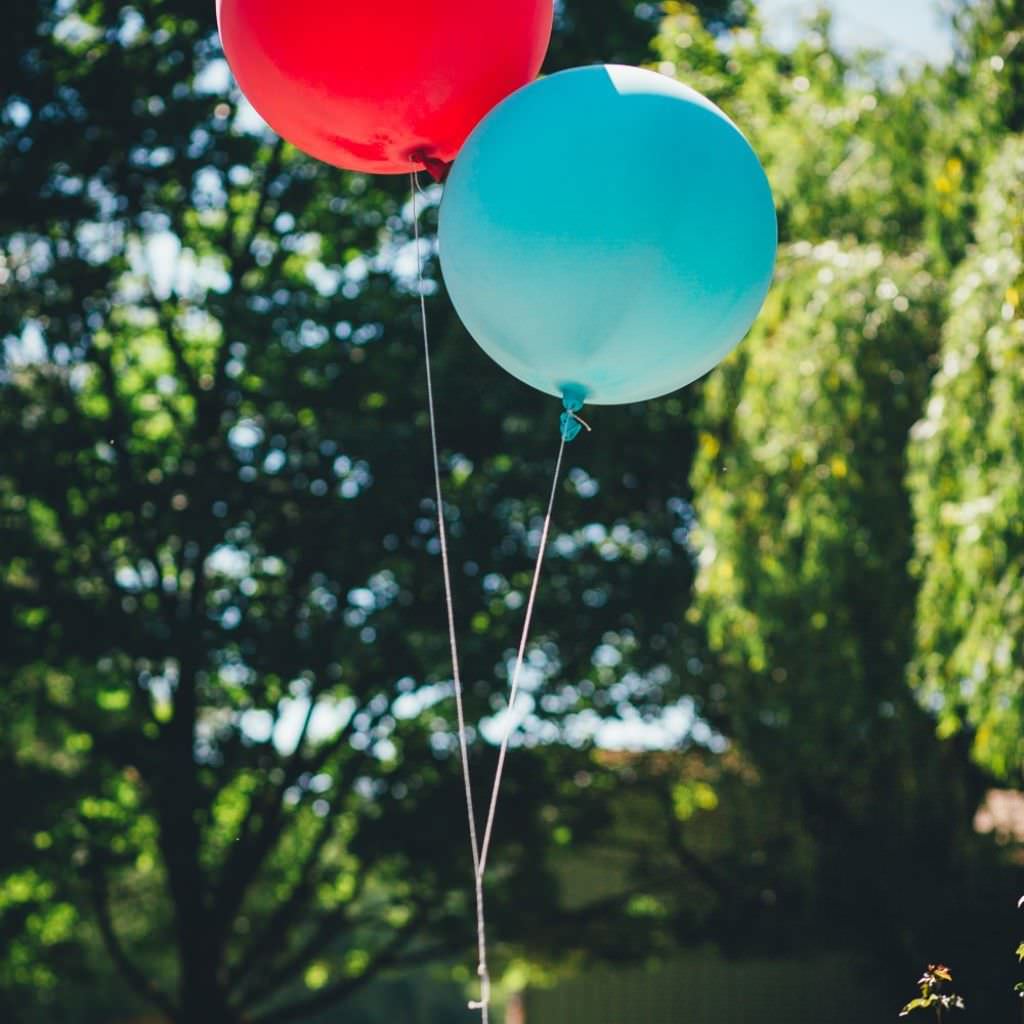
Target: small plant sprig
x: 932, y: 984
x: 1019, y: 987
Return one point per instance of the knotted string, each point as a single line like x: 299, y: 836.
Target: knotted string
x: 570, y: 426
x: 571, y: 423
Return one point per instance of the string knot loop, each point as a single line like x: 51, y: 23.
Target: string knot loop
x: 571, y: 422
x: 485, y: 990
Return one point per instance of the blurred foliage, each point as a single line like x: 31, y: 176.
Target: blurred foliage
x: 854, y: 152
x: 967, y: 468
x: 804, y: 536
x: 228, y: 735
x: 621, y: 31
x: 225, y: 663
x: 803, y: 541
x: 800, y: 526
x: 841, y: 151
x: 988, y: 75
x: 979, y: 100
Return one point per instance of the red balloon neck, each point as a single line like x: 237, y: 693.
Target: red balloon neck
x: 437, y: 169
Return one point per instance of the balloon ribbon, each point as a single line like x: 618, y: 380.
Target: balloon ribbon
x: 571, y: 424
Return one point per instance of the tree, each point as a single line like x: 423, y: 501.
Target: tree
x: 966, y: 466
x: 803, y: 525
x: 804, y: 589
x: 875, y: 148
x: 227, y: 683
x: 979, y: 103
x: 228, y: 674
x: 621, y: 31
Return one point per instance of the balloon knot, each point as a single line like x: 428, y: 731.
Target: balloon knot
x: 437, y: 169
x: 571, y: 423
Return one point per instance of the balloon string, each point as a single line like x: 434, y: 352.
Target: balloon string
x: 453, y: 644
x: 416, y: 184
x: 570, y: 426
x: 514, y: 690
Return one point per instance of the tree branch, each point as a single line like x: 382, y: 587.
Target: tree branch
x: 241, y: 259
x: 698, y: 867
x: 115, y: 949
x: 268, y: 939
x: 243, y: 252
x: 119, y: 426
x: 260, y: 829
x: 175, y: 343
x: 388, y: 956
x: 329, y: 926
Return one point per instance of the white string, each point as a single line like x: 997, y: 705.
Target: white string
x: 514, y: 689
x: 449, y: 606
x: 479, y: 852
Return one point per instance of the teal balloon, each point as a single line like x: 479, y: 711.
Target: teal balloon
x: 607, y: 233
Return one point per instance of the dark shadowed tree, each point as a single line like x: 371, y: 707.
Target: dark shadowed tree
x: 621, y: 31
x: 226, y: 672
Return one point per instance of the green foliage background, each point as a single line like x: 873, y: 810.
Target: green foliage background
x: 967, y: 464
x: 228, y: 745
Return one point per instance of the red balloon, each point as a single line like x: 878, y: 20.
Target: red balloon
x: 382, y: 86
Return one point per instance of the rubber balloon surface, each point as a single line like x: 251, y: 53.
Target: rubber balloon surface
x: 609, y: 232
x: 379, y: 85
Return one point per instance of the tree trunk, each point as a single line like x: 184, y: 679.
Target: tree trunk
x: 203, y: 1000
x: 201, y: 986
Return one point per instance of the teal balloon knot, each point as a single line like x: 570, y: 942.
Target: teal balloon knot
x: 571, y: 423
x: 570, y: 427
